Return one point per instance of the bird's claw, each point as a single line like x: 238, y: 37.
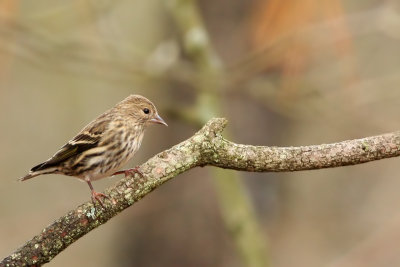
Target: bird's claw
x: 97, y: 197
x: 130, y: 172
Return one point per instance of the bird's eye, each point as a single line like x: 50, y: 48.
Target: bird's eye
x: 146, y: 111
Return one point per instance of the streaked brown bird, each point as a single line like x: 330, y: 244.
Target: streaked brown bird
x: 104, y: 145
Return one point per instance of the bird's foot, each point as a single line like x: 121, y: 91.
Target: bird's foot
x: 131, y: 172
x: 97, y: 197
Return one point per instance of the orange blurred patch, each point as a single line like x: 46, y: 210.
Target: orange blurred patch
x: 282, y: 23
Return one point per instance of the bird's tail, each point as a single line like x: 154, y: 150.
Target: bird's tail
x: 28, y: 176
x: 32, y: 174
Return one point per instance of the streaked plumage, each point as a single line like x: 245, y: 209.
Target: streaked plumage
x: 104, y: 145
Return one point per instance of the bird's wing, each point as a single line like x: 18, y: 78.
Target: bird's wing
x: 88, y: 138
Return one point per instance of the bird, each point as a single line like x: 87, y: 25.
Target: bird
x: 103, y: 146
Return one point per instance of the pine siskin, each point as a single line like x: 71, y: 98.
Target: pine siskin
x: 104, y: 145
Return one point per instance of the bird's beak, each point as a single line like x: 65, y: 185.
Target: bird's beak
x: 158, y: 120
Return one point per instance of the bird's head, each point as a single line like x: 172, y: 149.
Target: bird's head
x: 140, y: 109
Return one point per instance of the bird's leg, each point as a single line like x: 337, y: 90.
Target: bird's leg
x: 130, y: 171
x: 95, y: 195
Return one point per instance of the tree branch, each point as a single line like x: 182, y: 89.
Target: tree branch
x: 281, y: 159
x: 206, y: 147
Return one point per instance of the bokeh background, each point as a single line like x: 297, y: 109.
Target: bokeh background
x: 285, y: 73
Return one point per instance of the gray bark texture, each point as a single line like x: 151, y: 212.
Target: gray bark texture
x: 206, y: 147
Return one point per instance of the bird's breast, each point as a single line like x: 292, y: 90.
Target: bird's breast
x: 117, y: 154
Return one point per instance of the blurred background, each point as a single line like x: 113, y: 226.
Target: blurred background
x: 284, y: 73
